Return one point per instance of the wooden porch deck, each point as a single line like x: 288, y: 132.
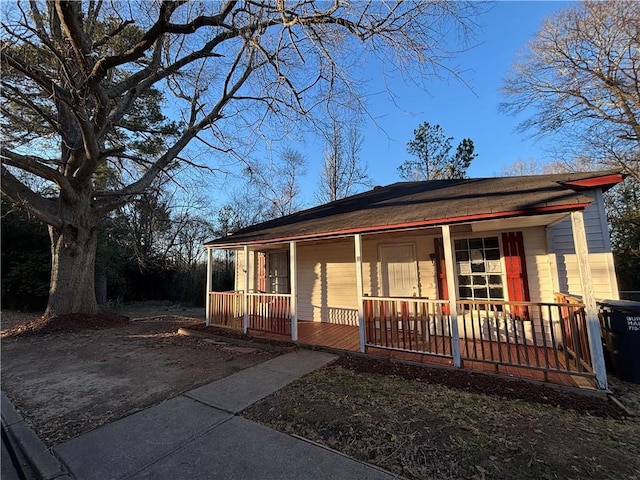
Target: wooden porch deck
x: 346, y: 338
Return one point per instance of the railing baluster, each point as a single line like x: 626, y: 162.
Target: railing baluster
x: 494, y: 335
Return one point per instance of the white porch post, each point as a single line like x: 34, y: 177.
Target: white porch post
x: 453, y: 295
x: 360, y: 289
x: 207, y: 298
x: 293, y: 265
x: 245, y: 317
x: 589, y: 299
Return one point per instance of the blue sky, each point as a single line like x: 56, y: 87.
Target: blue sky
x: 461, y: 112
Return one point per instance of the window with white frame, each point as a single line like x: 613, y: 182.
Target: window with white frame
x: 479, y: 269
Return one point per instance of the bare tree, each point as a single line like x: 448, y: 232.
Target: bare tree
x: 581, y: 77
x: 531, y: 166
x: 84, y: 85
x: 277, y: 183
x: 342, y: 171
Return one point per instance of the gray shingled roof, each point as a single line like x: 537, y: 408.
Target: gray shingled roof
x: 435, y: 202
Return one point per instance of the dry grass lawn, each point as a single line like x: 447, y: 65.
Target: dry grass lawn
x: 422, y: 430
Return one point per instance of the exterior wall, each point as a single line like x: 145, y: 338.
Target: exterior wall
x: 539, y: 268
x: 239, y: 281
x: 600, y: 257
x: 327, y: 289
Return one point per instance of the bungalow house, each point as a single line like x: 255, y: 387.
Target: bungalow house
x: 497, y: 274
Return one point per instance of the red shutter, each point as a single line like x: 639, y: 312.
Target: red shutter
x: 516, y: 265
x: 441, y: 273
x: 262, y: 272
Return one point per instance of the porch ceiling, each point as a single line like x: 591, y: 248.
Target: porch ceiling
x: 407, y: 205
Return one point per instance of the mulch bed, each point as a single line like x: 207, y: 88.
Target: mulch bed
x: 485, y: 384
x: 72, y: 322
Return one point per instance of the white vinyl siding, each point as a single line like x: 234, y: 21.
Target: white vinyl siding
x: 240, y: 263
x: 539, y: 271
x: 600, y: 257
x: 327, y: 289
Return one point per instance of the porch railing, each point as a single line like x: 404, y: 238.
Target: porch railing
x: 551, y: 337
x: 576, y: 332
x: 226, y: 309
x: 270, y: 312
x: 409, y: 324
x: 545, y: 336
x: 266, y: 312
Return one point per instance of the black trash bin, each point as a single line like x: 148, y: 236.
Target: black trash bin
x: 620, y: 321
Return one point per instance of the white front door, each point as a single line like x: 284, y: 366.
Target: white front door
x: 399, y: 271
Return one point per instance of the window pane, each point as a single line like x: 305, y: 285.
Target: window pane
x: 479, y: 280
x: 462, y: 256
x: 475, y: 243
x: 494, y: 266
x: 477, y: 267
x: 464, y: 280
x: 465, y: 292
x: 491, y: 242
x: 496, y: 293
x: 492, y: 254
x: 477, y: 255
x: 461, y: 244
x: 480, y: 293
x: 495, y: 280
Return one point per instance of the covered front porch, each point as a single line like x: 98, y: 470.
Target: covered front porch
x: 554, y: 351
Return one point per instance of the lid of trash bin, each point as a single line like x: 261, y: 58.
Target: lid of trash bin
x: 625, y: 305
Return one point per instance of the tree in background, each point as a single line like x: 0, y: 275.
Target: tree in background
x: 26, y: 260
x: 434, y: 159
x: 580, y: 76
x: 623, y: 208
x: 277, y: 184
x: 531, y: 166
x: 342, y: 170
x: 84, y: 83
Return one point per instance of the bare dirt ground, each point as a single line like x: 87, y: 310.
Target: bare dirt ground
x: 67, y: 379
x: 425, y: 424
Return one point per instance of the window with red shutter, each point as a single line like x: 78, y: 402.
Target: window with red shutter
x: 479, y: 270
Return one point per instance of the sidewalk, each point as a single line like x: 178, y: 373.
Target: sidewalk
x: 198, y: 436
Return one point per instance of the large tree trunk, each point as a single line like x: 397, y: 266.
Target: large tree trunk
x: 73, y: 256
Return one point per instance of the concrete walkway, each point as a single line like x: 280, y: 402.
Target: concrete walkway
x: 199, y: 436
